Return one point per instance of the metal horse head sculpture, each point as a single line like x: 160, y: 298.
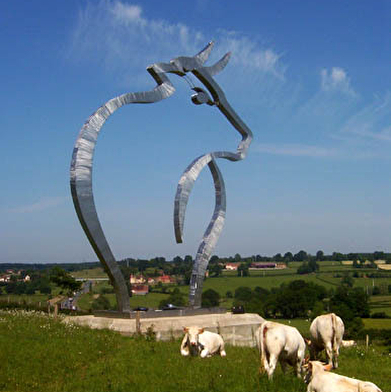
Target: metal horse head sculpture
x: 82, y: 159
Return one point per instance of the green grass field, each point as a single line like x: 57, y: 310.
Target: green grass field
x: 90, y: 273
x: 329, y: 276
x: 39, y: 353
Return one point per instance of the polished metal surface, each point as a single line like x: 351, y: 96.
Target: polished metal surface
x: 82, y: 160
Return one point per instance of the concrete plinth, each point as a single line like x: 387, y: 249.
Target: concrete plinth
x: 236, y: 329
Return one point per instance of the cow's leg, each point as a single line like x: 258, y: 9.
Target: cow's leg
x: 264, y: 365
x: 299, y: 363
x: 299, y: 367
x: 329, y: 353
x: 313, y: 352
x: 204, y: 353
x: 335, y: 357
x: 272, y: 366
x: 284, y: 366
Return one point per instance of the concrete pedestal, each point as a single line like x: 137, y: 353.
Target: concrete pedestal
x: 236, y: 329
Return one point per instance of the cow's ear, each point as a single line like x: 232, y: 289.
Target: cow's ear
x: 307, y: 342
x: 186, y: 329
x: 200, y: 330
x: 328, y: 367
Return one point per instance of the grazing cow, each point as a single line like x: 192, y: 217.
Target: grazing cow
x: 321, y: 380
x: 282, y: 343
x: 197, y: 341
x: 326, y: 334
x: 348, y: 343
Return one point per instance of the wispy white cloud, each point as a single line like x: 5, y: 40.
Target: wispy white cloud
x: 297, y: 150
x: 336, y: 80
x: 371, y: 122
x: 123, y: 38
x: 40, y: 205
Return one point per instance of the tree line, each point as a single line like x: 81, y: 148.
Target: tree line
x: 171, y: 266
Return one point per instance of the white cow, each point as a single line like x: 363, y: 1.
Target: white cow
x: 321, y: 380
x: 280, y: 343
x: 326, y: 334
x: 348, y: 343
x: 197, y: 341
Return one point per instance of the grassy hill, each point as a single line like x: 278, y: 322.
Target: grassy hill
x: 39, y: 353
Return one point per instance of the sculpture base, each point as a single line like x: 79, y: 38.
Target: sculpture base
x: 179, y: 312
x: 236, y: 329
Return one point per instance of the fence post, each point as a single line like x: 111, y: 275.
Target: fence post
x: 138, y: 324
x: 367, y: 341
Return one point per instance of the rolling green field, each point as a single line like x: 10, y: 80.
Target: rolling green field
x: 39, y: 353
x: 329, y: 276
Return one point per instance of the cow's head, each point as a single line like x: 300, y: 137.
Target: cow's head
x: 313, y: 367
x: 193, y: 334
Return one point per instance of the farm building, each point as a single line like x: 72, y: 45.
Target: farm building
x: 140, y: 289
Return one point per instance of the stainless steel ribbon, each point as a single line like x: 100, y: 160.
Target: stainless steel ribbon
x: 82, y: 161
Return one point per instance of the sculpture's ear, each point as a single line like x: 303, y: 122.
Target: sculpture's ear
x: 327, y: 367
x: 200, y: 330
x: 186, y: 329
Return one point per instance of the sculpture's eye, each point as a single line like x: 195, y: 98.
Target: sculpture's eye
x: 200, y: 97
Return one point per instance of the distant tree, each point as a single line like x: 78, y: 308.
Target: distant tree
x: 288, y: 257
x: 214, y: 260
x: 243, y: 270
x: 177, y: 260
x: 300, y: 256
x: 319, y: 255
x: 278, y: 257
x: 188, y: 259
x: 379, y: 255
x: 376, y: 290
x: 313, y: 265
x: 15, y: 288
x: 64, y: 279
x: 347, y: 280
x: 243, y: 294
x: 260, y: 292
x: 338, y: 256
x: 355, y: 299
x: 101, y: 303
x: 317, y: 310
x: 210, y: 298
x: 238, y: 258
x: 176, y: 298
x: 216, y: 270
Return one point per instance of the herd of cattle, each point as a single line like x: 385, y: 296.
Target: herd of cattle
x: 284, y: 344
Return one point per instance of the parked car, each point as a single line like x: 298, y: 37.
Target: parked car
x: 170, y: 307
x: 237, y: 309
x: 140, y: 309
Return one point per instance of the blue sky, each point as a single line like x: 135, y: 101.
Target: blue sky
x: 312, y: 79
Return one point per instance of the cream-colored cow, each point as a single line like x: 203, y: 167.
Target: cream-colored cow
x: 197, y: 341
x: 321, y: 380
x: 280, y: 343
x: 326, y: 334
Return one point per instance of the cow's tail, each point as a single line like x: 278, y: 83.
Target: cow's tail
x: 334, y: 331
x: 262, y: 338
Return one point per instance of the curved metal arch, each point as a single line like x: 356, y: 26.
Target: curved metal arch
x: 82, y: 160
x: 81, y: 176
